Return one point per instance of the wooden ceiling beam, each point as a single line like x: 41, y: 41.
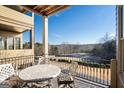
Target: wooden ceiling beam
x: 45, y: 10
x: 30, y: 9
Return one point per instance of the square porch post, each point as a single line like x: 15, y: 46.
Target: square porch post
x: 45, y: 38
x: 119, y: 37
x: 117, y: 65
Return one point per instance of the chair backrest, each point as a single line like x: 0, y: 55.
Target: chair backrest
x: 6, y: 71
x: 38, y: 60
x: 72, y: 68
x: 41, y: 60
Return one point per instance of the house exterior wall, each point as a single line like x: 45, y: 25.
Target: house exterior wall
x: 14, y: 18
x: 15, y: 53
x: 22, y: 22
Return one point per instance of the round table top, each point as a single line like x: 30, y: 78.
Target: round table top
x: 39, y: 72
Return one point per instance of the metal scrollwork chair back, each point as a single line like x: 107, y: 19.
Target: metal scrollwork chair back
x: 67, y: 80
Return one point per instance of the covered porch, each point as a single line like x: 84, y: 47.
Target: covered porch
x: 116, y: 64
x: 111, y: 75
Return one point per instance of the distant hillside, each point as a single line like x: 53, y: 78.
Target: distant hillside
x: 71, y: 48
x: 65, y: 48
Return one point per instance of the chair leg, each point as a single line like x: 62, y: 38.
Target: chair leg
x: 65, y: 86
x: 23, y: 85
x: 74, y: 85
x: 70, y: 86
x: 49, y: 83
x: 62, y: 85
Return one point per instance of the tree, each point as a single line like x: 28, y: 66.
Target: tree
x: 27, y: 45
x: 107, y: 50
x: 53, y: 50
x: 75, y: 49
x: 105, y: 38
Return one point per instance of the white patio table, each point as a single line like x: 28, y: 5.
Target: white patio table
x: 39, y: 73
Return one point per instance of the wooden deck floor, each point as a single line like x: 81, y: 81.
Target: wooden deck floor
x: 81, y: 83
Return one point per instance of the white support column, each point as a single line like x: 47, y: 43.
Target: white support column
x: 32, y: 33
x: 45, y: 37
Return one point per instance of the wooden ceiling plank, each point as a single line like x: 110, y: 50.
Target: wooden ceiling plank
x: 45, y: 8
x: 38, y: 6
x: 53, y: 8
x: 57, y: 10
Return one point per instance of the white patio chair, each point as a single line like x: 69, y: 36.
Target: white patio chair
x: 41, y: 60
x: 67, y: 80
x: 6, y: 71
x: 8, y: 77
x: 38, y: 60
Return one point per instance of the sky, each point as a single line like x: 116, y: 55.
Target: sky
x: 80, y: 24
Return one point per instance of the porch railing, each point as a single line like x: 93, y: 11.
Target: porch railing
x: 19, y: 62
x: 98, y: 72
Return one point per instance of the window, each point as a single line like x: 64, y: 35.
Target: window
x: 10, y: 43
x: 2, y: 43
x: 17, y: 40
x: 26, y: 40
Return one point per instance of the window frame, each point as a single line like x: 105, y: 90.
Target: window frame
x: 16, y: 45
x: 10, y: 37
x: 29, y: 40
x: 4, y: 42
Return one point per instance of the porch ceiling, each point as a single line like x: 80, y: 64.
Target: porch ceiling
x: 17, y: 8
x: 12, y: 28
x: 45, y: 10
